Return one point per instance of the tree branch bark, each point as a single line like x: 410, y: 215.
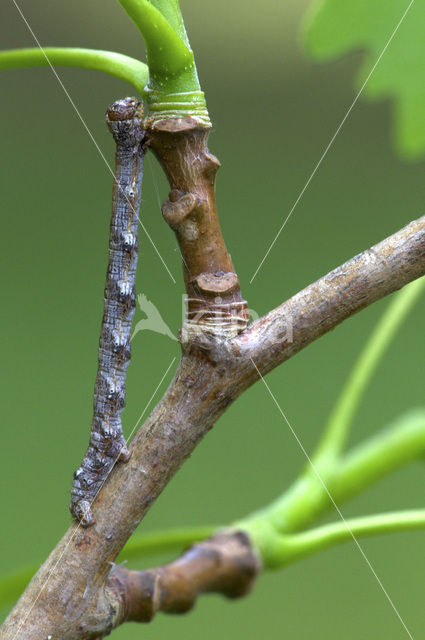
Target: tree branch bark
x: 214, y: 300
x: 324, y: 304
x: 70, y: 597
x: 223, y: 564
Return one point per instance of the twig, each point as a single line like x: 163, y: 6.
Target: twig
x: 223, y: 564
x: 323, y: 305
x: 214, y: 301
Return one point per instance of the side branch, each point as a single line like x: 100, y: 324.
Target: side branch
x: 214, y: 301
x: 115, y: 64
x: 285, y: 549
x: 323, y: 305
x: 223, y: 564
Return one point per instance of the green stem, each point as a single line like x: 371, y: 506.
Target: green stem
x: 284, y: 549
x: 166, y: 51
x: 171, y: 11
x: 116, y: 64
x: 341, y: 418
x: 173, y: 540
x: 404, y: 441
x: 173, y: 90
x: 305, y: 500
x: 399, y: 444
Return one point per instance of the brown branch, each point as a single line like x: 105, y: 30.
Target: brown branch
x: 324, y: 304
x: 223, y: 564
x: 214, y: 296
x: 69, y: 598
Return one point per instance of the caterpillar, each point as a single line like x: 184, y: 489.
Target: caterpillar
x: 107, y: 444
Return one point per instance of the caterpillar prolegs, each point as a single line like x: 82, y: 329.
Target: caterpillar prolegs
x: 107, y: 444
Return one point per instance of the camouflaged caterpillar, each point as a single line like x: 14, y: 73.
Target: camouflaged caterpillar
x: 107, y: 444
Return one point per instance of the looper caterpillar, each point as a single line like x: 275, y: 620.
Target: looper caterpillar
x: 107, y: 444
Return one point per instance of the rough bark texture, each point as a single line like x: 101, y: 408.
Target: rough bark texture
x: 214, y: 301
x: 324, y: 304
x: 107, y: 444
x: 223, y: 564
x: 69, y: 598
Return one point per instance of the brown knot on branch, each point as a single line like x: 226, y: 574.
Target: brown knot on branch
x: 214, y: 300
x: 223, y: 564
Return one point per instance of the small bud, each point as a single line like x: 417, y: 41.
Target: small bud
x: 125, y: 109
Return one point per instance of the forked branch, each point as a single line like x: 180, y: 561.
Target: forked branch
x: 210, y: 376
x: 223, y: 564
x: 75, y: 594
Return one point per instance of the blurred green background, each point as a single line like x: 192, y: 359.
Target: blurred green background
x: 274, y: 112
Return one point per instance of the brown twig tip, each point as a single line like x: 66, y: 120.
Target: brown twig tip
x: 225, y: 563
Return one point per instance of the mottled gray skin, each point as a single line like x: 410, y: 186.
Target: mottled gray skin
x: 107, y: 444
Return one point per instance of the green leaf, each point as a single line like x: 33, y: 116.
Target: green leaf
x: 391, y: 31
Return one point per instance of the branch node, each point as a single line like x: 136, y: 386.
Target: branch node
x: 225, y: 563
